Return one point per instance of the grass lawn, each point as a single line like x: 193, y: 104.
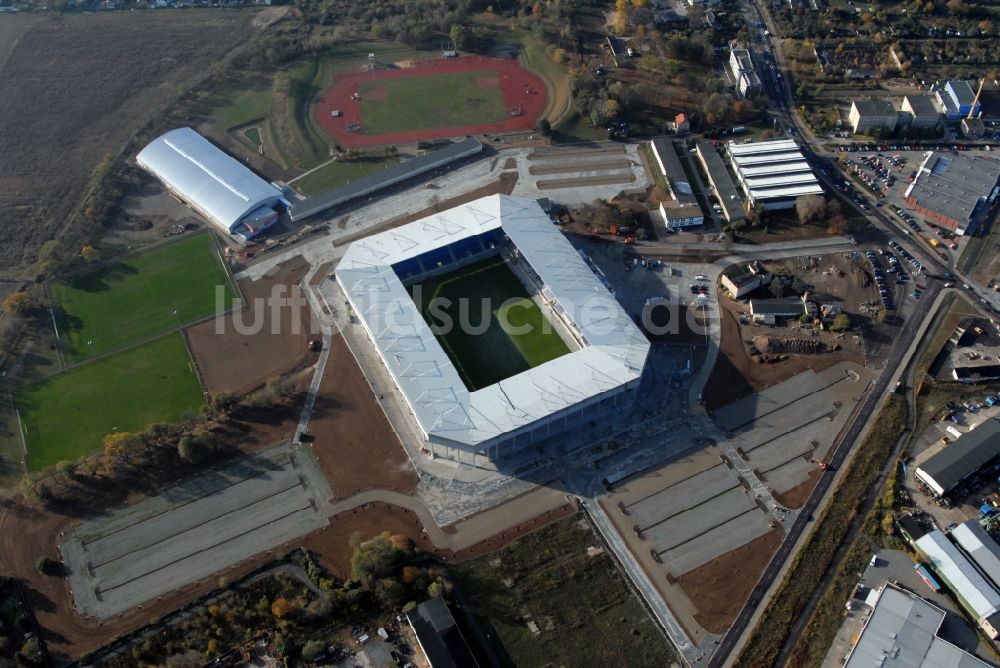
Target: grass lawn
x: 340, y: 172
x: 127, y: 301
x: 433, y: 101
x: 253, y: 134
x: 585, y: 613
x: 241, y: 105
x: 68, y: 415
x: 517, y: 337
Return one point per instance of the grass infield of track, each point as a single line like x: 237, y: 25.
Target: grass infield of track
x: 124, y: 302
x: 389, y: 106
x: 501, y: 350
x: 68, y: 415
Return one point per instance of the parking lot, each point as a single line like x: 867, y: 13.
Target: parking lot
x: 786, y: 431
x: 580, y: 175
x: 194, y: 529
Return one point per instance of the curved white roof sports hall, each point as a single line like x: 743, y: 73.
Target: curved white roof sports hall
x: 613, y: 354
x: 213, y: 183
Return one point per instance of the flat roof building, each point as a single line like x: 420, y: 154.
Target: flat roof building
x: 954, y: 189
x: 956, y: 98
x: 439, y: 636
x: 980, y: 547
x: 385, y: 178
x: 741, y: 64
x: 721, y: 182
x: 772, y: 174
x: 684, y: 210
x: 945, y: 470
x: 786, y: 307
x: 902, y: 632
x: 222, y: 189
x: 867, y: 115
x: 974, y: 591
x: 920, y: 111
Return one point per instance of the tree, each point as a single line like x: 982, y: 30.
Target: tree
x: 281, y: 607
x: 19, y: 303
x: 47, y: 565
x: 810, y: 208
x: 840, y: 323
x: 117, y: 444
x: 777, y: 288
x: 559, y: 56
x: 66, y: 468
x: 90, y: 254
x: 545, y: 127
x: 312, y: 649
x: 188, y: 449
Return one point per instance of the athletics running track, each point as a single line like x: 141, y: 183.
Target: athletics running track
x: 515, y: 84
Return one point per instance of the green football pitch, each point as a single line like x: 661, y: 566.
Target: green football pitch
x: 435, y: 101
x: 516, y: 338
x: 124, y: 302
x: 68, y: 415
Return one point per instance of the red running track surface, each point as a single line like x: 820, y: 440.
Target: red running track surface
x: 515, y: 81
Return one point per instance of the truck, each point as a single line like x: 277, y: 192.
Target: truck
x: 926, y: 576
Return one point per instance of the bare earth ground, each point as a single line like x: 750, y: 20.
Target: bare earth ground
x: 720, y: 588
x: 797, y: 496
x: 86, y: 83
x: 735, y: 376
x: 354, y: 442
x: 238, y: 362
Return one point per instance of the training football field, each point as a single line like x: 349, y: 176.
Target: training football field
x: 69, y: 414
x: 432, y: 101
x: 124, y: 302
x: 507, y: 333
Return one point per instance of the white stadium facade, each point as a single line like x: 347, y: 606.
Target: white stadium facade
x: 216, y: 185
x: 599, y: 376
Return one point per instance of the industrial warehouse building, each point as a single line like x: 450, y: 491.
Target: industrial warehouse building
x: 943, y: 471
x: 969, y: 585
x: 903, y: 632
x: 216, y: 185
x: 598, y: 376
x: 957, y: 99
x: 683, y: 210
x: 773, y: 174
x: 954, y: 190
x: 721, y: 182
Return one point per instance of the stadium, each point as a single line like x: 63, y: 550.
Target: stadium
x: 553, y: 351
x: 216, y: 185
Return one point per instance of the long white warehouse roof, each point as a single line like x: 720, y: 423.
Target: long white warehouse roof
x: 779, y: 181
x: 613, y: 355
x: 767, y: 158
x: 960, y: 574
x: 790, y: 191
x: 215, y: 184
x: 980, y: 547
x: 771, y: 169
x: 757, y: 148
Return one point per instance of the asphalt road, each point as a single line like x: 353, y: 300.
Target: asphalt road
x: 842, y: 449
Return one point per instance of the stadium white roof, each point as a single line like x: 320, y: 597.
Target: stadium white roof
x: 215, y: 184
x: 960, y: 574
x: 613, y: 355
x: 902, y: 633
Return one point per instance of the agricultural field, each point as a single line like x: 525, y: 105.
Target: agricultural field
x: 68, y: 415
x: 127, y: 301
x: 498, y: 352
x: 86, y: 84
x: 434, y: 101
x: 548, y: 599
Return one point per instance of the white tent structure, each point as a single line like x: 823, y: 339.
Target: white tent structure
x: 551, y: 398
x: 216, y: 185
